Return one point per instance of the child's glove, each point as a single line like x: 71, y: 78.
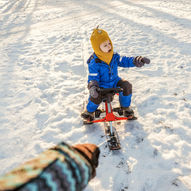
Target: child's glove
x: 139, y: 61
x: 93, y: 87
x: 93, y: 92
x: 91, y: 153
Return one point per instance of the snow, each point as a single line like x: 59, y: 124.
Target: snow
x: 43, y: 84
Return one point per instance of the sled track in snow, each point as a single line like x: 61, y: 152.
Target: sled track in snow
x: 18, y: 5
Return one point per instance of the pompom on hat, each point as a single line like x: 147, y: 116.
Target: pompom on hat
x: 99, y: 36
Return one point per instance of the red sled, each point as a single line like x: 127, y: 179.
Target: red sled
x: 110, y: 131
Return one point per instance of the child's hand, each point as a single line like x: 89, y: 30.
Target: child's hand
x: 139, y: 61
x: 93, y: 92
x: 93, y: 88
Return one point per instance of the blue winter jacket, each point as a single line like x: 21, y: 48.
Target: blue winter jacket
x: 107, y: 75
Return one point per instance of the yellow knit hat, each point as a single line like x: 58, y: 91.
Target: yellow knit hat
x: 99, y: 36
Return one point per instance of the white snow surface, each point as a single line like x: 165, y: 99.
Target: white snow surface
x: 44, y: 45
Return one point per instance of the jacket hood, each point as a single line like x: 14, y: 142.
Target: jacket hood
x: 99, y: 36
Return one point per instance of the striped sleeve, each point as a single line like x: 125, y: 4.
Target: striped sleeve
x: 59, y: 168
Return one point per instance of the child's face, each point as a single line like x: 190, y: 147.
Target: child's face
x: 105, y: 46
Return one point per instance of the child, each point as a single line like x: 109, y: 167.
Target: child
x: 103, y: 72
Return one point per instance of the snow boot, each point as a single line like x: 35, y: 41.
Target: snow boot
x: 86, y: 115
x: 127, y: 111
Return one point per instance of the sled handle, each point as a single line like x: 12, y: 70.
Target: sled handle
x: 110, y: 90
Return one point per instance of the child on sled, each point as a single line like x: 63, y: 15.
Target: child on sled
x: 103, y: 73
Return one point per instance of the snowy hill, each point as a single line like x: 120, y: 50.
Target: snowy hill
x: 44, y: 46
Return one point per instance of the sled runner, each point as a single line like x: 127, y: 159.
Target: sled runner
x: 110, y: 131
